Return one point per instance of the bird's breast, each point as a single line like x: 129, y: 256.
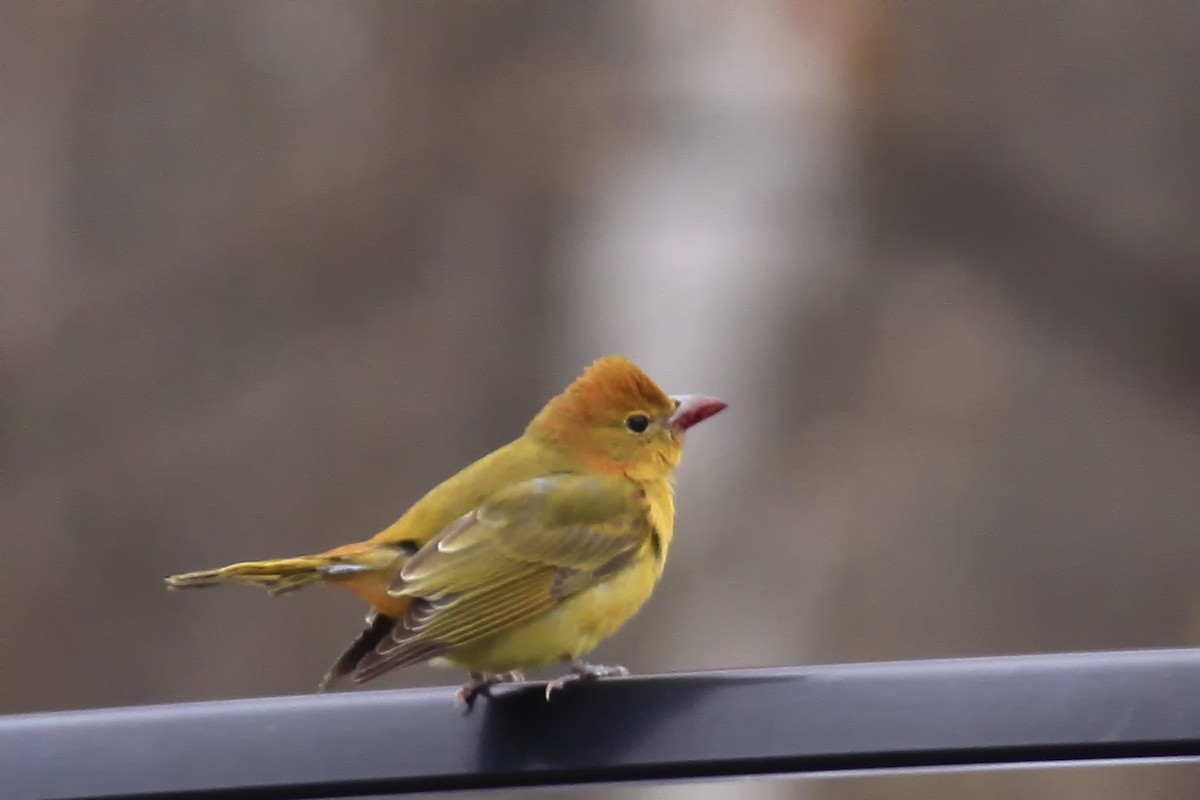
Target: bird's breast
x: 571, y: 630
x: 596, y: 613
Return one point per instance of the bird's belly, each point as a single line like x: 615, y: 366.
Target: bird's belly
x: 569, y: 631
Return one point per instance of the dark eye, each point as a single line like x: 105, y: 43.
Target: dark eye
x: 637, y: 422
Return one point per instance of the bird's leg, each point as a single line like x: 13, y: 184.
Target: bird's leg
x: 481, y: 683
x: 583, y: 671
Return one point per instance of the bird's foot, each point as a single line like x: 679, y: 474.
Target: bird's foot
x: 583, y: 671
x: 481, y: 684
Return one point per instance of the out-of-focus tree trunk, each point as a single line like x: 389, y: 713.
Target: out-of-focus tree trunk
x: 717, y: 220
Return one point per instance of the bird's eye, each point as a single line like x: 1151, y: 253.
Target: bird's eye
x: 637, y: 422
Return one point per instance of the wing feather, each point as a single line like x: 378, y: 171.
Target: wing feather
x: 515, y: 557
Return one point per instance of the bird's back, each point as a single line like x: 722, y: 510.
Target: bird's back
x: 518, y: 461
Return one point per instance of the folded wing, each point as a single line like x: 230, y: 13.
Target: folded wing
x: 519, y: 555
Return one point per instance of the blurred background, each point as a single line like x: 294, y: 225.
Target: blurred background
x: 270, y: 270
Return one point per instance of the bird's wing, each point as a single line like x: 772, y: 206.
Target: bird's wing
x: 515, y: 557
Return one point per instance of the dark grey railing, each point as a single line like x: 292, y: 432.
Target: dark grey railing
x: 889, y: 716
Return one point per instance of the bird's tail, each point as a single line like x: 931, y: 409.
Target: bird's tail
x: 358, y: 565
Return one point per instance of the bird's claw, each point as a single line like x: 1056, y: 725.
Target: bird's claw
x: 481, y: 684
x: 464, y: 698
x: 557, y: 684
x: 582, y: 671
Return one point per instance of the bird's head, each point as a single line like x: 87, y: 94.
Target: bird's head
x: 616, y: 419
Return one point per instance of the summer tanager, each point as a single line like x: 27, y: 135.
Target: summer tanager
x: 531, y: 555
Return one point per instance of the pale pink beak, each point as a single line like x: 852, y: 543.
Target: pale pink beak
x: 693, y: 408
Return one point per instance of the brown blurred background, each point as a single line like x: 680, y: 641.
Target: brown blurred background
x: 269, y: 270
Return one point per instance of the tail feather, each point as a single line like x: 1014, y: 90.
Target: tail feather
x: 276, y: 576
x: 365, y: 568
x: 378, y: 626
x: 280, y: 575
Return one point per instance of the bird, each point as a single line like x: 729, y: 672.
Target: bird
x: 528, y: 557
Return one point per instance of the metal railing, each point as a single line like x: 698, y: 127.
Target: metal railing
x: 857, y: 717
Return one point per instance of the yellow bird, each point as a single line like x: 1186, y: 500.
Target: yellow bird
x: 532, y: 555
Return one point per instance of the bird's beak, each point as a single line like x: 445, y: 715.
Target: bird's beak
x: 693, y: 408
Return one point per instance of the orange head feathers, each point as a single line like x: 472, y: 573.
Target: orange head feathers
x: 616, y: 419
